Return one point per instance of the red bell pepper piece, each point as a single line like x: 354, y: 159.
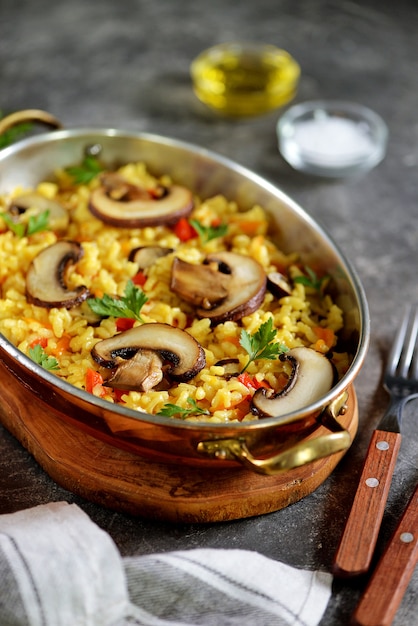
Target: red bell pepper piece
x: 251, y: 382
x: 184, y: 230
x: 139, y: 279
x: 93, y: 379
x: 124, y: 323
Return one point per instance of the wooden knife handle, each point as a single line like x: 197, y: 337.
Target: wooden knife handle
x: 387, y: 586
x: 358, y: 541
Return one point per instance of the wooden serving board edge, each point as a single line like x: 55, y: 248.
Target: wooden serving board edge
x: 123, y: 481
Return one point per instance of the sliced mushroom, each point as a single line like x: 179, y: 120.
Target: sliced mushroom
x: 145, y: 256
x: 231, y: 367
x: 145, y: 353
x: 200, y: 285
x: 242, y: 277
x: 45, y: 279
x: 312, y: 377
x: 142, y: 372
x: 278, y: 285
x: 120, y: 203
x: 58, y: 216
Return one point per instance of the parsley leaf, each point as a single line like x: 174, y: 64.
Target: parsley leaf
x: 38, y: 354
x: 18, y: 228
x: 206, y: 233
x: 261, y: 344
x: 310, y: 279
x: 129, y: 305
x: 36, y: 224
x: 173, y: 410
x: 84, y: 173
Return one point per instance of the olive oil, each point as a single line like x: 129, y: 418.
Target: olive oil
x: 245, y: 79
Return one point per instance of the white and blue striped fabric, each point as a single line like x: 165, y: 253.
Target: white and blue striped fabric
x: 58, y: 568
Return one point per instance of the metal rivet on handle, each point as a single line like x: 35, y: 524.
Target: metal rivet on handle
x: 382, y: 445
x: 372, y: 482
x: 406, y: 537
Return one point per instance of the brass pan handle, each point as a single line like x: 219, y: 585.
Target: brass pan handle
x: 28, y: 115
x: 299, y: 454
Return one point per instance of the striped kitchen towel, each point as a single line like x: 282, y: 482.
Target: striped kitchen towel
x: 58, y: 568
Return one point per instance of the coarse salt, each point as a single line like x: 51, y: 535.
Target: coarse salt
x: 333, y: 140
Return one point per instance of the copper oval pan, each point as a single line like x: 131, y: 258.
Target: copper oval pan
x: 267, y: 446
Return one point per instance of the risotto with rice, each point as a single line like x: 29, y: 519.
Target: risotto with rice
x: 89, y: 263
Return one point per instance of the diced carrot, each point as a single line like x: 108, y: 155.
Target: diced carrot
x: 242, y: 409
x: 39, y: 341
x: 62, y: 345
x: 250, y: 227
x: 233, y: 340
x: 32, y: 320
x: 321, y: 346
x: 326, y: 335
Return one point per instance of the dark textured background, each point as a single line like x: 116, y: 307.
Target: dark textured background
x: 126, y: 64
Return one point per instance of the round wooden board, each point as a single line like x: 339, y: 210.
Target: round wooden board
x: 124, y: 481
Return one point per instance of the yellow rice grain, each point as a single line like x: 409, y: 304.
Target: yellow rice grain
x: 105, y: 269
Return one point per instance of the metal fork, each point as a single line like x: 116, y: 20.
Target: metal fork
x: 358, y: 541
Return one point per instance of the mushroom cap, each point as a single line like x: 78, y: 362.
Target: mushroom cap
x: 132, y: 206
x: 58, y: 215
x: 246, y: 287
x: 142, y: 372
x: 201, y: 285
x: 145, y: 256
x: 184, y: 355
x: 226, y: 286
x: 312, y: 377
x: 278, y: 285
x: 45, y: 278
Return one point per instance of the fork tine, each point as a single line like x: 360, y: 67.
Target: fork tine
x: 414, y: 356
x: 394, y: 357
x: 406, y: 364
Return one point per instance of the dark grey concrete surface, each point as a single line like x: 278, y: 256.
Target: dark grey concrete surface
x: 126, y: 64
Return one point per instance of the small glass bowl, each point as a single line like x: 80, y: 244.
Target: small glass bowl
x: 244, y: 79
x: 332, y: 138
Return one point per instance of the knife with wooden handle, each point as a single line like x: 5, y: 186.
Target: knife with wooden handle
x: 358, y: 541
x: 389, y: 581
